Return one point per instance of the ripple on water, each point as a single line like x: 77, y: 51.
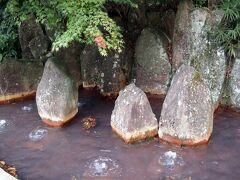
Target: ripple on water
x: 38, y: 134
x: 102, y: 167
x: 4, y: 125
x: 170, y: 160
x: 27, y: 108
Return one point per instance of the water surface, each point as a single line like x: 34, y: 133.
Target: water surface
x: 40, y: 152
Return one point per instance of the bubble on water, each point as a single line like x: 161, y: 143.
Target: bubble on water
x: 84, y: 103
x: 27, y: 108
x: 4, y: 125
x: 102, y: 167
x: 170, y: 159
x: 38, y: 134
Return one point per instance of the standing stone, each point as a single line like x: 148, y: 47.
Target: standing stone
x: 132, y: 118
x: 232, y: 89
x: 109, y: 73
x: 153, y: 68
x: 201, y: 51
x: 34, y: 43
x: 180, y: 34
x: 204, y: 55
x: 57, y: 94
x: 19, y: 79
x: 187, y: 112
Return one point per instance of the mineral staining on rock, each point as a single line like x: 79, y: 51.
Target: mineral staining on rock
x: 153, y: 69
x: 18, y: 79
x: 187, y: 112
x: 57, y: 94
x: 132, y: 118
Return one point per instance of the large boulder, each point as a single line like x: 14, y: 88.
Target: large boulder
x: 110, y: 73
x: 200, y: 50
x: 132, y: 118
x: 187, y: 112
x: 231, y: 95
x: 57, y: 94
x: 71, y: 57
x: 18, y: 79
x: 34, y: 43
x: 153, y: 70
x: 204, y: 54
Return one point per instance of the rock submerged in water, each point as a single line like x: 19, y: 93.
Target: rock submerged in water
x: 187, y: 112
x: 57, y: 94
x: 132, y: 118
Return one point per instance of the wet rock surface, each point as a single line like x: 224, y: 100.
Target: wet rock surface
x: 198, y: 48
x: 18, y: 79
x: 232, y: 89
x: 110, y: 74
x: 153, y: 70
x: 132, y: 117
x: 71, y: 57
x: 180, y: 33
x: 69, y: 152
x: 57, y: 94
x: 187, y: 113
x: 34, y: 43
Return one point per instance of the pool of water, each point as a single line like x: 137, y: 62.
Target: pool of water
x: 70, y: 153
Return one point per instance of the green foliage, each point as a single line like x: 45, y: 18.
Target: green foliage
x: 85, y: 21
x: 228, y: 34
x: 200, y: 3
x: 8, y: 36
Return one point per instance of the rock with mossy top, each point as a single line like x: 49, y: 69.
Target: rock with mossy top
x: 132, y: 118
x: 153, y: 69
x: 201, y: 51
x: 187, y: 112
x: 57, y: 94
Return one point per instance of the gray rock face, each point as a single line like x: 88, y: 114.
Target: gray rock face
x: 90, y: 66
x: 71, y: 57
x: 187, y: 112
x: 109, y: 73
x: 57, y: 94
x: 180, y: 33
x: 204, y: 55
x: 201, y: 52
x: 233, y: 87
x: 18, y: 79
x: 34, y: 43
x: 153, y: 68
x: 132, y: 118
